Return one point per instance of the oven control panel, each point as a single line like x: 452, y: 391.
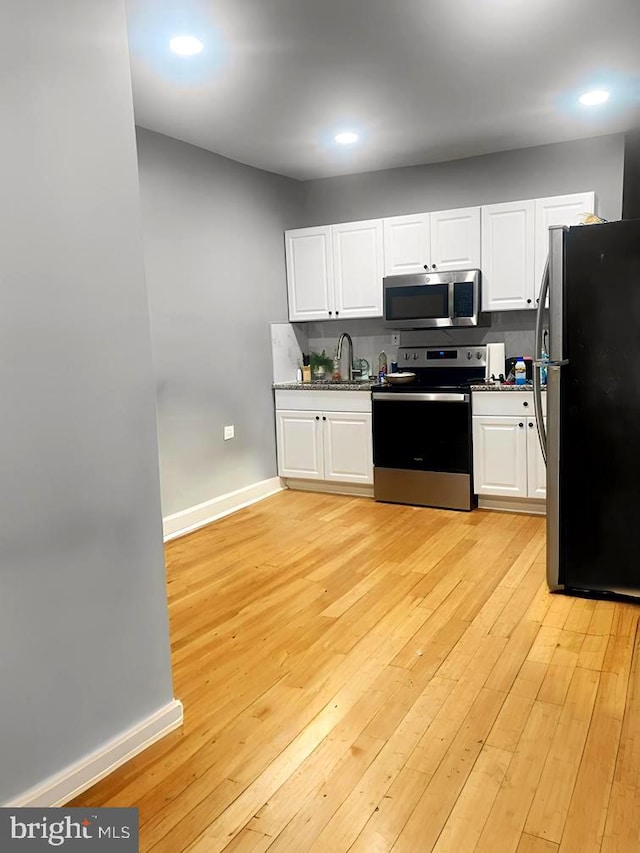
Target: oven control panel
x: 442, y: 356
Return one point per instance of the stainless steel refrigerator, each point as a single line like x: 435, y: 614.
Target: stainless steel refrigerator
x: 592, y: 440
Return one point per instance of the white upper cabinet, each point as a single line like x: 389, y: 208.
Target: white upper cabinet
x: 558, y: 210
x: 358, y: 267
x: 508, y: 251
x: 336, y: 271
x: 407, y: 244
x: 455, y: 239
x: 309, y: 273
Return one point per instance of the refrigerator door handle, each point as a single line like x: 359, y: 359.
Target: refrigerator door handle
x: 537, y: 383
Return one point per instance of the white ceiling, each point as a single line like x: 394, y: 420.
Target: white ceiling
x: 421, y: 80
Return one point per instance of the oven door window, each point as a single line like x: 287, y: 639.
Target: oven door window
x: 417, y: 302
x: 422, y: 436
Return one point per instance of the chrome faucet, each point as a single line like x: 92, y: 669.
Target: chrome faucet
x: 339, y: 353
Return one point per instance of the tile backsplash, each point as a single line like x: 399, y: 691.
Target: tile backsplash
x: 370, y: 337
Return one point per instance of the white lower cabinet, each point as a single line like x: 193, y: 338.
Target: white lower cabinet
x: 536, y: 469
x: 299, y: 437
x: 500, y: 456
x: 348, y: 447
x: 507, y: 460
x: 325, y: 444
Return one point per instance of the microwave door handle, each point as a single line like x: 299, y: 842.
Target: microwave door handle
x: 452, y: 291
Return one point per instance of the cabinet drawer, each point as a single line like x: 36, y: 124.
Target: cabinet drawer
x: 505, y: 403
x: 324, y: 401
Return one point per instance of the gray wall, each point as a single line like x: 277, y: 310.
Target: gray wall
x: 587, y: 164
x: 214, y: 250
x: 84, y: 650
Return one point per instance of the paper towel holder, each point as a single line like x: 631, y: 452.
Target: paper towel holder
x: 495, y: 362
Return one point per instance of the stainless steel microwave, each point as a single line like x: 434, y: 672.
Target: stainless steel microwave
x: 433, y: 300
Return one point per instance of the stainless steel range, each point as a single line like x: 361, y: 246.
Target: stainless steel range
x: 422, y: 452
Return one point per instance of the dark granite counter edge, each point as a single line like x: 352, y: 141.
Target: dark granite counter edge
x: 322, y: 386
x: 519, y: 388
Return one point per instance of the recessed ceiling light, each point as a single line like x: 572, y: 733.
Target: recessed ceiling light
x: 346, y: 138
x: 186, y: 45
x: 593, y: 99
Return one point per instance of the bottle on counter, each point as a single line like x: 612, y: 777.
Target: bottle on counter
x: 336, y: 375
x: 520, y: 371
x: 382, y: 367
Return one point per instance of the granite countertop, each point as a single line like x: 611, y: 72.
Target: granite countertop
x: 323, y: 386
x: 492, y: 387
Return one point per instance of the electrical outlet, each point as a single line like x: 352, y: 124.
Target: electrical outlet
x: 395, y: 339
x: 229, y: 432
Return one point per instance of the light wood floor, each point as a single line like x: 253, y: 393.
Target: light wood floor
x: 368, y: 677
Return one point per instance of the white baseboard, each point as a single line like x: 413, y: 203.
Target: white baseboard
x: 198, y: 516
x: 357, y: 490
x: 531, y: 506
x: 77, y: 777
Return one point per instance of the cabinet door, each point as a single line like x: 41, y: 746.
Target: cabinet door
x: 508, y: 241
x: 309, y: 273
x: 358, y: 265
x: 406, y: 244
x: 558, y: 210
x: 536, y: 469
x: 500, y: 456
x: 299, y: 440
x: 455, y: 239
x: 348, y: 447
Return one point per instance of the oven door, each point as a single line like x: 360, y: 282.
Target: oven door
x: 422, y: 432
x: 422, y: 449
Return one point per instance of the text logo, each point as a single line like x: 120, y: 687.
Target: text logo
x: 33, y: 829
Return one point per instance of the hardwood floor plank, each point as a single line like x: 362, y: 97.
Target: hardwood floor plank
x: 532, y: 844
x: 391, y: 813
x: 610, y: 756
x: 465, y: 823
x: 585, y: 825
x: 511, y: 721
x: 435, y: 805
x: 506, y: 820
x: 436, y: 740
x: 249, y: 841
x: 550, y: 806
x: 303, y: 830
x: 380, y: 677
x: 622, y: 829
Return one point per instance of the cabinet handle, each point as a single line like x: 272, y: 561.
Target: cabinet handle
x: 337, y: 312
x: 528, y: 302
x: 323, y: 418
x: 525, y: 405
x: 426, y: 266
x: 330, y: 313
x: 530, y: 424
x: 520, y: 424
x: 317, y: 417
x: 434, y: 267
